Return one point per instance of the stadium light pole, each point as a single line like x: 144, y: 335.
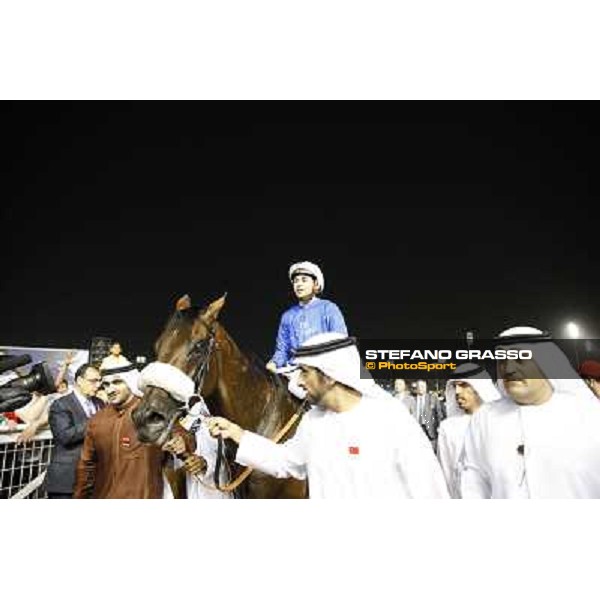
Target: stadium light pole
x: 470, y: 337
x: 574, y: 332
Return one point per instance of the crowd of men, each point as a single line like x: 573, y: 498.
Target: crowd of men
x: 527, y: 435
x: 531, y: 431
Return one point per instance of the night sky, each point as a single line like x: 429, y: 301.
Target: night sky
x: 426, y: 218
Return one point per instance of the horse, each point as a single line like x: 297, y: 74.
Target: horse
x: 232, y: 384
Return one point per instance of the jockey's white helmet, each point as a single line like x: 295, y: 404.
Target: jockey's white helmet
x: 307, y: 268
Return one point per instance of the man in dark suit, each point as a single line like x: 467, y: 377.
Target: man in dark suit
x: 68, y: 420
x: 426, y: 408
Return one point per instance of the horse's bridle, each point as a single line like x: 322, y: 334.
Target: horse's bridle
x: 201, y: 349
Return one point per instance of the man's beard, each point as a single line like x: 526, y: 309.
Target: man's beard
x: 312, y: 400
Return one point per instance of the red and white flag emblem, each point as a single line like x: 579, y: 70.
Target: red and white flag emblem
x: 354, y: 450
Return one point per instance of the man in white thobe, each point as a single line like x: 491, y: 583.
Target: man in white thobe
x: 541, y: 439
x: 470, y: 387
x: 200, y: 485
x: 200, y: 467
x: 356, y: 441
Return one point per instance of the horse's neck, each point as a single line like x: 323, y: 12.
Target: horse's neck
x: 245, y: 394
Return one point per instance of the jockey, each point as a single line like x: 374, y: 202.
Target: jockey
x: 311, y: 316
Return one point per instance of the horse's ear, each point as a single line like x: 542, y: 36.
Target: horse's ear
x: 183, y: 303
x: 214, y: 308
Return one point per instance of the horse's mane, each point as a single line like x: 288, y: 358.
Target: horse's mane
x: 278, y: 382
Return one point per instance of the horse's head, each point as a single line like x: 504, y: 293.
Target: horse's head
x: 186, y: 331
x: 186, y: 343
x: 155, y: 416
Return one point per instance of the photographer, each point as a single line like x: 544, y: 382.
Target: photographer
x: 16, y: 390
x: 35, y: 413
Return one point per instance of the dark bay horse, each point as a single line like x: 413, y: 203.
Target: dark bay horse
x: 233, y: 386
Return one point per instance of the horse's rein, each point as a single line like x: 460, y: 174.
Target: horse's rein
x: 232, y: 485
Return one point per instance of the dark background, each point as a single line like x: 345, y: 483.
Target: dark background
x: 427, y: 218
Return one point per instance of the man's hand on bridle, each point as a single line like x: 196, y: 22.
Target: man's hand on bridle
x: 220, y: 427
x: 176, y: 445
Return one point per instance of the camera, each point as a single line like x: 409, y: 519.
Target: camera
x: 16, y: 392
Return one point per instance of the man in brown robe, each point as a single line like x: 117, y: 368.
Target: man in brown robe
x: 114, y: 463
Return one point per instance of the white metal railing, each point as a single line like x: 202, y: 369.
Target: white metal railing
x: 23, y: 466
